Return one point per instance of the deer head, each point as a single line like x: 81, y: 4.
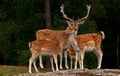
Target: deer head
x: 72, y: 22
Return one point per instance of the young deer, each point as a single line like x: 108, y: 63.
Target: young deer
x: 44, y: 47
x: 49, y: 34
x: 88, y: 42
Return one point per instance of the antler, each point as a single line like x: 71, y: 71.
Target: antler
x: 64, y: 15
x: 88, y: 11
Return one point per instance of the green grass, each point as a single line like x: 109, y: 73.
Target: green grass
x: 7, y: 70
x: 10, y: 70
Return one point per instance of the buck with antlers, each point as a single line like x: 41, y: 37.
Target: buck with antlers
x: 87, y: 43
x: 49, y: 34
x: 72, y: 22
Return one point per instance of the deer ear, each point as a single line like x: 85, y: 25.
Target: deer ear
x: 81, y: 22
x: 68, y: 22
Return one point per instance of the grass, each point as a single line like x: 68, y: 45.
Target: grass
x: 6, y: 70
x: 9, y: 70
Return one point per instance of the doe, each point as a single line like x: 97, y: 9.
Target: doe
x: 87, y: 42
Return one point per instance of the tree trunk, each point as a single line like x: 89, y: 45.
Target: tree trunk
x: 47, y: 14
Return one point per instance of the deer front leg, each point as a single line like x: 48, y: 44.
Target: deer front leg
x: 77, y: 55
x: 56, y: 62
x: 51, y: 60
x: 61, y: 57
x: 81, y: 60
x: 71, y: 62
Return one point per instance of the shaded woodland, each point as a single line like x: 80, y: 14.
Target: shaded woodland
x: 20, y: 19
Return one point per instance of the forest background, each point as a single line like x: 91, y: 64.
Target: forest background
x: 20, y: 19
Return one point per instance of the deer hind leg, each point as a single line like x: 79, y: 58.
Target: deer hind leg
x: 99, y: 54
x: 33, y: 60
x: 65, y: 54
x: 100, y: 59
x: 30, y: 64
x: 56, y: 62
x: 34, y: 64
x: 51, y: 60
x: 40, y: 60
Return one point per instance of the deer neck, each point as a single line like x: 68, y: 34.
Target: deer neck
x: 68, y: 41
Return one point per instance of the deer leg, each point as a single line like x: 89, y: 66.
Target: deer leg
x: 65, y: 54
x: 99, y: 55
x: 34, y: 64
x: 71, y: 61
x: 33, y: 60
x: 61, y: 57
x: 56, y: 62
x: 40, y: 60
x: 77, y: 49
x: 77, y: 55
x: 30, y: 64
x: 51, y: 60
x: 81, y: 60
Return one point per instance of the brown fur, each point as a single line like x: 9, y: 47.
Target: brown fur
x: 44, y: 47
x: 50, y: 46
x: 88, y: 40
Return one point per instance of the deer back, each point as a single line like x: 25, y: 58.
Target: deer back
x: 45, y: 46
x: 88, y: 40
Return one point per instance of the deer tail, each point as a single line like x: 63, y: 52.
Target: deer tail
x: 102, y: 34
x: 29, y: 44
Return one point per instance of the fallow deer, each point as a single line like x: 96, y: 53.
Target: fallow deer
x: 44, y: 48
x: 49, y: 47
x: 48, y: 34
x: 87, y: 43
x: 73, y: 22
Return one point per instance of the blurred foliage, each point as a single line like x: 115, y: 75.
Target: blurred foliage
x: 89, y: 26
x: 23, y: 57
x: 20, y: 19
x: 90, y: 61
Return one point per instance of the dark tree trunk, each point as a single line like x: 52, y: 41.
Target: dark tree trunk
x: 47, y: 14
